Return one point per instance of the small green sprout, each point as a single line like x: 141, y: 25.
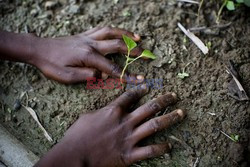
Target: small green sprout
x: 126, y: 13
x: 185, y: 40
x: 230, y: 4
x: 183, y: 75
x: 209, y: 45
x: 235, y: 138
x: 9, y: 110
x: 131, y: 44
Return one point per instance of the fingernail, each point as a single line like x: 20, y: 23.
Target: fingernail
x: 174, y: 95
x: 137, y: 36
x: 140, y: 77
x: 104, y: 76
x: 181, y: 113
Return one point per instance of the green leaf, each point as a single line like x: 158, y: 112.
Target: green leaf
x: 209, y: 45
x: 230, y: 5
x: 126, y: 13
x: 183, y: 75
x: 236, y: 137
x: 247, y: 3
x: 129, y: 42
x: 148, y: 54
x: 239, y: 1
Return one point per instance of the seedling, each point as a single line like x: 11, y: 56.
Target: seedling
x: 209, y: 45
x: 230, y: 4
x: 235, y: 138
x: 126, y: 13
x: 131, y: 44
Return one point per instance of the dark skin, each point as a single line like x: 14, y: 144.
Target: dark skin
x: 108, y: 137
x: 112, y: 140
x: 70, y: 59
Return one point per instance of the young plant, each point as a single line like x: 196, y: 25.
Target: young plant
x: 230, y: 4
x: 131, y: 44
x: 235, y: 138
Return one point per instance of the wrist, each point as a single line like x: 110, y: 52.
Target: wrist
x: 63, y: 155
x: 33, y: 44
x: 18, y: 47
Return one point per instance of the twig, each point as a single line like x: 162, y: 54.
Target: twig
x: 211, y: 113
x: 196, y: 162
x: 239, y: 93
x: 189, y: 1
x: 195, y: 39
x: 227, y: 135
x: 183, y: 143
x: 203, y: 28
x: 34, y: 116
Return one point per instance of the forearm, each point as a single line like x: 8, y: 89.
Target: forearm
x: 18, y: 47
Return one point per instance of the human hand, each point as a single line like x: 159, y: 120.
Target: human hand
x: 75, y: 58
x: 109, y: 136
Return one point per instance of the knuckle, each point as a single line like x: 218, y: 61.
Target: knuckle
x: 115, y: 108
x: 107, y: 29
x: 69, y: 76
x: 155, y: 125
x: 125, y: 159
x: 89, y: 51
x: 129, y: 94
x: 151, y: 152
x: 153, y: 106
x: 119, y: 44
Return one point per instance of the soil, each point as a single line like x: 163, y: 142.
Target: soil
x: 204, y: 94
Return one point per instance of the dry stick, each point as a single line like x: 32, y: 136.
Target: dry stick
x: 196, y: 162
x: 195, y: 39
x: 227, y: 135
x: 199, y: 10
x: 34, y: 116
x: 203, y: 28
x: 238, y: 84
x: 189, y: 1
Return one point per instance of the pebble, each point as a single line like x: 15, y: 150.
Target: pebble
x: 50, y: 5
x: 169, y: 75
x: 17, y: 105
x: 73, y: 9
x: 33, y: 12
x: 47, y: 14
x: 34, y: 78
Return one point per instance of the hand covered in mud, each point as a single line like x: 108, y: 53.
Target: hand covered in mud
x: 75, y: 58
x: 109, y: 137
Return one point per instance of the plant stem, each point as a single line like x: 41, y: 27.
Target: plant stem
x: 220, y: 11
x: 135, y: 59
x: 125, y: 67
x: 123, y: 71
x: 199, y: 10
